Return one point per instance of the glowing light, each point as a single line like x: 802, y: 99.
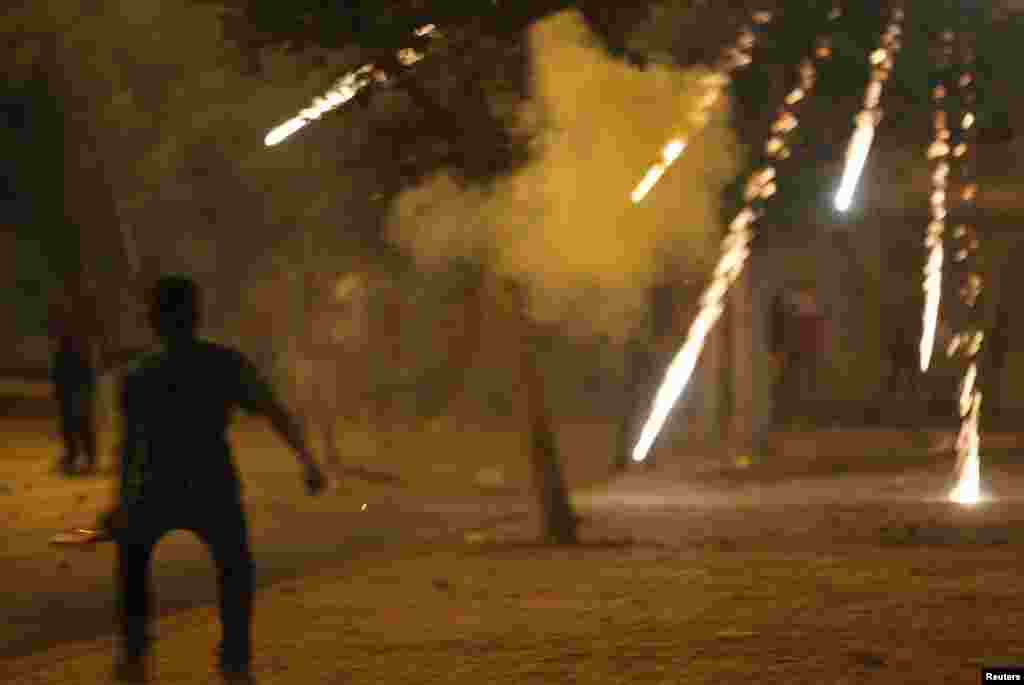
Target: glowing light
x: 939, y: 150
x: 967, y: 490
x: 860, y: 144
x: 856, y: 157
x: 346, y: 88
x: 933, y: 294
x: 734, y: 57
x: 407, y: 56
x: 735, y: 250
x: 968, y: 342
x: 669, y: 154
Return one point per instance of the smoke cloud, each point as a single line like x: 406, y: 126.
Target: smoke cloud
x: 564, y: 225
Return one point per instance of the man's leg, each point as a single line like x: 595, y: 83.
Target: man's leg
x: 226, y: 534
x: 87, y: 426
x: 66, y: 404
x: 134, y: 551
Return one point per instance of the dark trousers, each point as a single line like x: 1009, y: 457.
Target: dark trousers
x: 77, y: 425
x: 796, y: 387
x: 221, y: 525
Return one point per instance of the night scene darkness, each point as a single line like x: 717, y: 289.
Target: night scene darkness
x: 483, y: 341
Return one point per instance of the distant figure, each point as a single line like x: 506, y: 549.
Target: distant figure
x: 995, y: 349
x: 779, y: 341
x: 903, y: 349
x: 177, y: 472
x: 74, y: 383
x: 330, y: 361
x: 804, y: 352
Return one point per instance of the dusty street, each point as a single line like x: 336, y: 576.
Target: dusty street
x: 693, y: 572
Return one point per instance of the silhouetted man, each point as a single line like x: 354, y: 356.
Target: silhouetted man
x: 902, y: 336
x: 804, y: 355
x: 994, y: 359
x: 177, y: 471
x: 74, y: 383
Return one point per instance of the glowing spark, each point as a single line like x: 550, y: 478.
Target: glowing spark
x: 736, y: 56
x: 968, y: 342
x: 669, y: 154
x: 860, y: 144
x: 856, y: 157
x: 933, y: 293
x: 676, y: 378
x: 346, y: 88
x: 968, y: 487
x: 735, y: 250
x: 407, y: 56
x: 933, y: 240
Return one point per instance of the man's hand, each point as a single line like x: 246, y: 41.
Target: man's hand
x: 314, y: 478
x: 114, y: 520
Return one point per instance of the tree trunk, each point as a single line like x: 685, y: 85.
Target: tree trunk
x: 467, y: 345
x: 559, y: 520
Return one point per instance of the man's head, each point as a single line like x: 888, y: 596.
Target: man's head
x: 174, y: 307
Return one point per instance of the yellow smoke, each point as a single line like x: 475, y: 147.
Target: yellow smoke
x: 565, y: 225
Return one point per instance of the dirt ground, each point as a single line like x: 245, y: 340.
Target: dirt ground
x: 829, y: 570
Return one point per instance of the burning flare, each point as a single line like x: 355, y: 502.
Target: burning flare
x: 860, y: 144
x: 939, y: 150
x: 856, y: 157
x: 669, y: 154
x: 679, y: 371
x: 735, y: 250
x: 968, y: 487
x: 737, y: 55
x: 969, y: 341
x: 346, y: 88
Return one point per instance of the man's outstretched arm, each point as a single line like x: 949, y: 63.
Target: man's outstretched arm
x: 285, y: 425
x: 259, y: 398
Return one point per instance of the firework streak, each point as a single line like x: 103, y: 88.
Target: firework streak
x: 938, y: 151
x: 967, y: 343
x: 860, y: 144
x: 736, y: 56
x: 735, y: 249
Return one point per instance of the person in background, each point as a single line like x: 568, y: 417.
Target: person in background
x: 995, y: 347
x: 902, y: 335
x: 781, y: 350
x: 74, y: 383
x: 177, y: 472
x: 806, y: 353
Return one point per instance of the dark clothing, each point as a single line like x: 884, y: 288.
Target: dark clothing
x: 796, y: 387
x: 779, y: 325
x: 221, y: 525
x: 77, y: 427
x: 177, y: 406
x: 74, y: 382
x: 177, y: 473
x: 71, y: 366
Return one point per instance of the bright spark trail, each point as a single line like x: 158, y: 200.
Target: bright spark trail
x: 346, y: 88
x: 735, y: 250
x: 869, y: 117
x: 967, y: 344
x: 735, y: 57
x: 938, y: 151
